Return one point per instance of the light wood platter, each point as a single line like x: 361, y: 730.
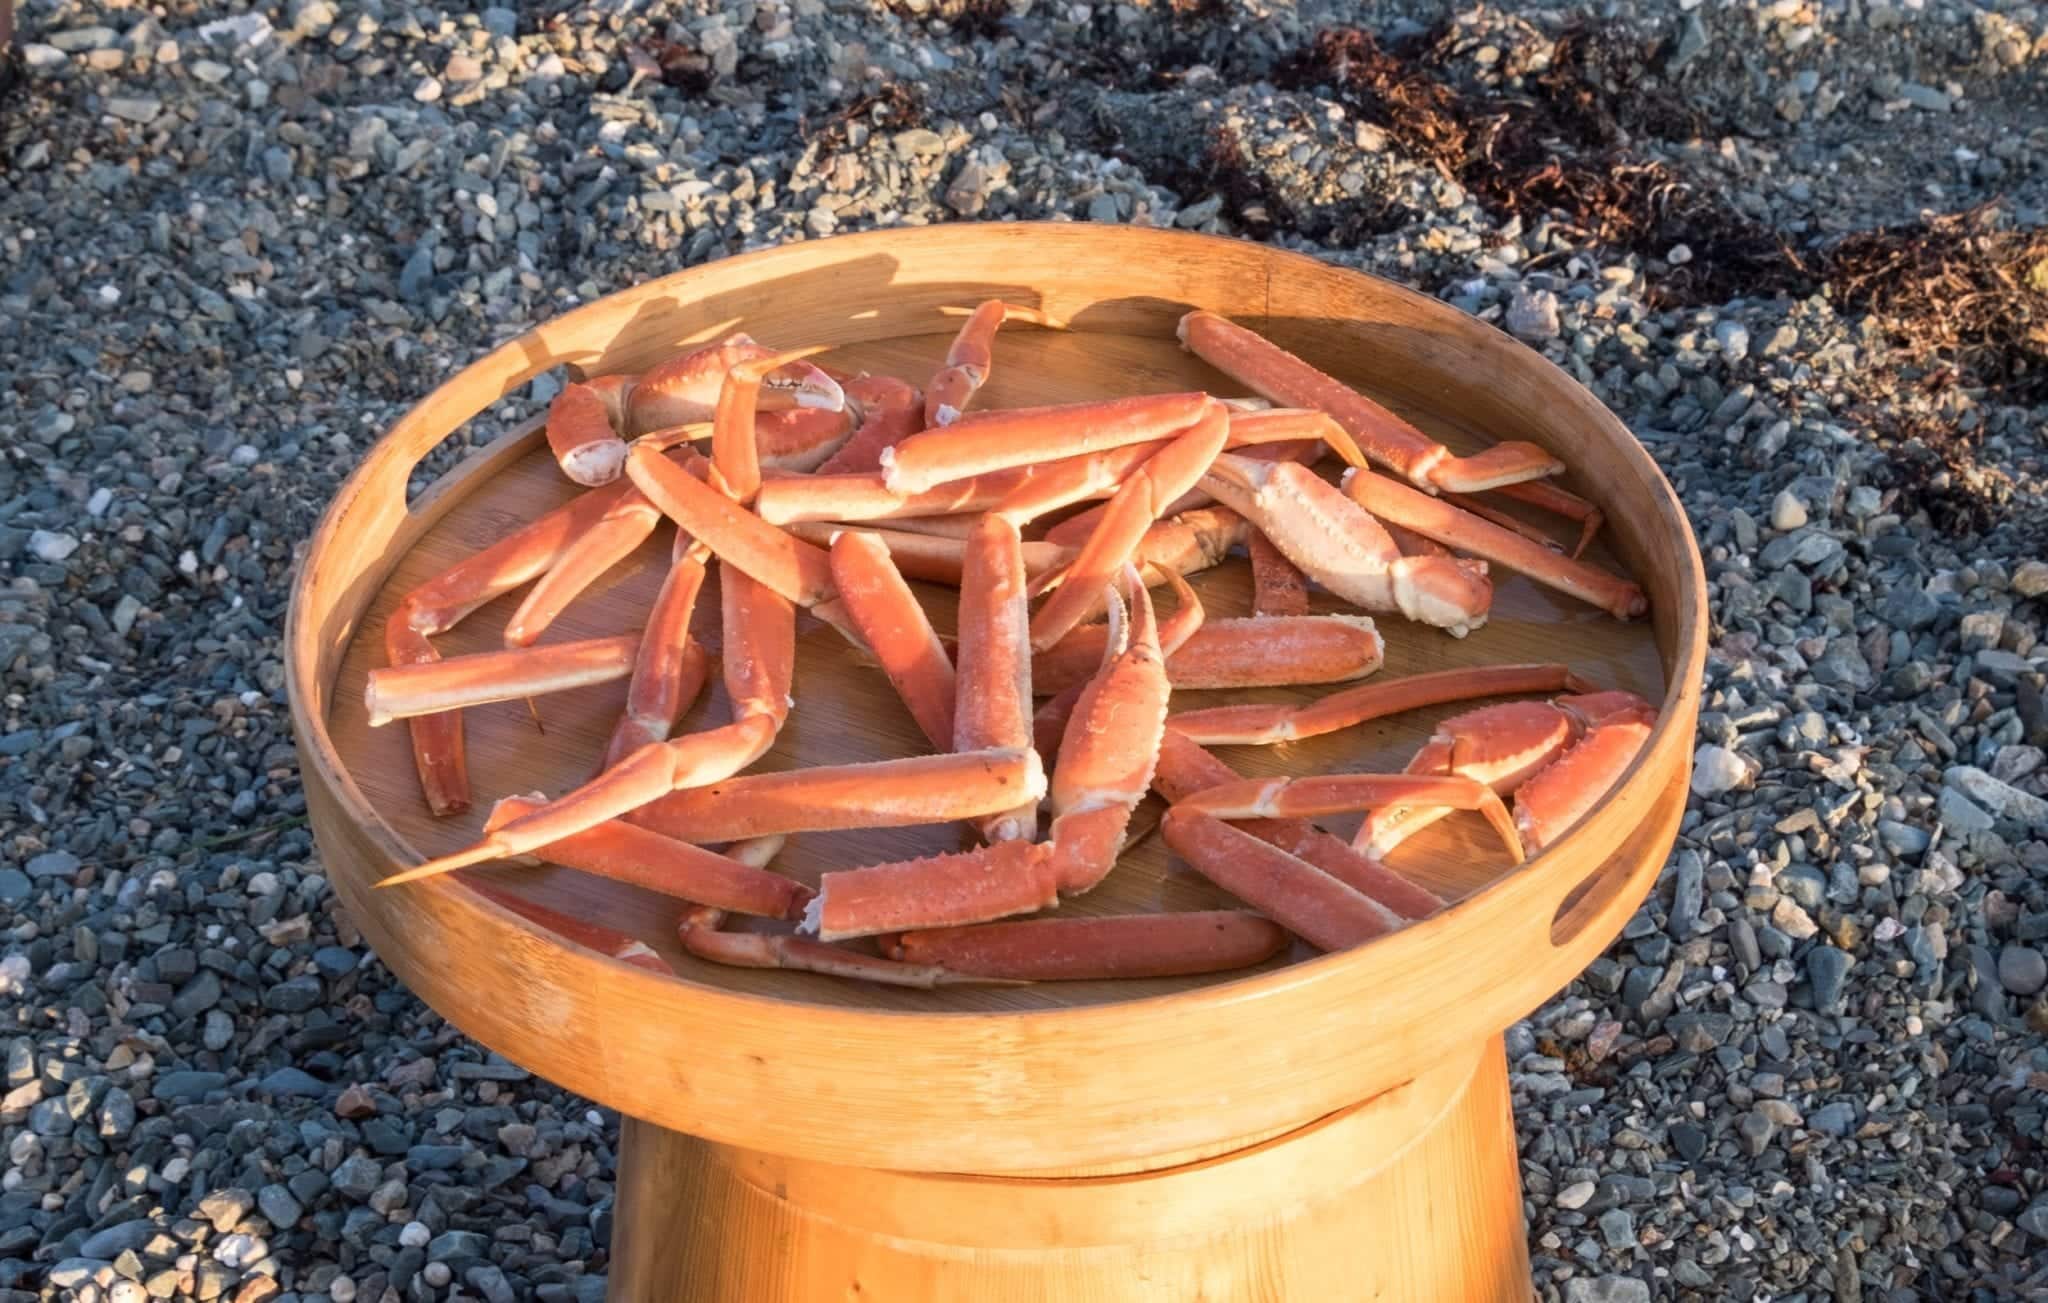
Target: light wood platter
x: 971, y: 1078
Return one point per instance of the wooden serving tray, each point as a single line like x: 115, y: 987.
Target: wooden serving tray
x: 1025, y: 1079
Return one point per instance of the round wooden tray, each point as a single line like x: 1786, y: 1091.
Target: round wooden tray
x: 1030, y: 1079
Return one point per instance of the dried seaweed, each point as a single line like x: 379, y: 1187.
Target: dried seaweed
x: 1964, y: 299
x: 1558, y: 153
x: 981, y: 19
x: 897, y: 106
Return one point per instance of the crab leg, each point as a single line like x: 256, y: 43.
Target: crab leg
x: 999, y: 440
x: 1549, y: 497
x: 1265, y: 368
x: 586, y: 424
x: 686, y: 388
x: 428, y: 688
x: 1257, y: 725
x: 890, y: 621
x: 891, y: 410
x: 608, y: 541
x: 829, y: 798
x: 699, y: 932
x: 994, y: 694
x: 1299, y: 798
x: 610, y: 942
x: 440, y: 603
x: 972, y: 354
x: 734, y: 450
x: 1437, y: 519
x: 1278, y: 587
x: 1466, y: 502
x: 1049, y: 722
x: 1105, y: 767
x: 1020, y: 492
x: 759, y: 653
x: 794, y: 569
x: 672, y: 666
x: 937, y: 558
x: 1296, y: 894
x: 1132, y: 512
x: 1339, y: 545
x: 1185, y: 768
x: 1256, y: 652
x: 1499, y: 745
x: 624, y: 853
x: 1097, y: 949
x: 1075, y: 529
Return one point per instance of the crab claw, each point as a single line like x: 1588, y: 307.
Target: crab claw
x: 1341, y: 546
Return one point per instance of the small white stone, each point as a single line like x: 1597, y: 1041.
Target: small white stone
x: 1576, y: 1195
x: 213, y: 74
x: 1716, y: 769
x: 414, y: 1235
x: 428, y: 90
x: 1787, y: 512
x: 101, y: 499
x: 1532, y: 315
x: 51, y: 547
x: 2030, y: 578
x: 41, y: 57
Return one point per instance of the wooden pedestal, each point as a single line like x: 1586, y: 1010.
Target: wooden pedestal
x: 1413, y: 1195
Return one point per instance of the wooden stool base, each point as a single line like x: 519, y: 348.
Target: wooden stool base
x: 1413, y: 1195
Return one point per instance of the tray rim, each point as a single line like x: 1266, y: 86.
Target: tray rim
x: 515, y: 362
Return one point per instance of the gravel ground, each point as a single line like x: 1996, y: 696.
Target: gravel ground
x: 238, y: 242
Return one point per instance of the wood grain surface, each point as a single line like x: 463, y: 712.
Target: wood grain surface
x: 1016, y: 1079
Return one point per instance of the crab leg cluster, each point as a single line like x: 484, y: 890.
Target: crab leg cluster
x: 835, y: 493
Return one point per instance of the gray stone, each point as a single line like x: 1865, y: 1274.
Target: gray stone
x: 1532, y: 315
x: 1836, y: 1119
x: 183, y: 1087
x: 14, y: 886
x: 2001, y: 799
x: 120, y: 1238
x: 457, y: 1245
x: 1606, y: 1289
x: 293, y: 1081
x: 1961, y: 815
x: 53, y: 864
x: 2034, y: 1221
x: 2022, y: 970
x: 358, y: 1177
x: 1827, y: 969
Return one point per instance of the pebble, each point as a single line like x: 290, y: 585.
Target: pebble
x: 1532, y: 315
x: 47, y: 545
x: 2022, y: 970
x: 1575, y: 1195
x: 1717, y: 770
x: 1787, y: 512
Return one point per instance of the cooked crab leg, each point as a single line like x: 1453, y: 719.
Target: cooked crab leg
x: 1049, y: 722
x: 887, y: 615
x: 795, y: 570
x: 672, y: 666
x: 1021, y: 492
x: 1074, y: 530
x: 993, y: 707
x: 1134, y: 510
x: 1548, y: 497
x: 1301, y: 798
x: 1296, y: 894
x: 1253, y: 724
x: 1185, y: 768
x: 1466, y: 502
x: 999, y: 440
x: 1255, y: 652
x: 1265, y: 368
x: 586, y: 428
x: 685, y: 389
x: 427, y: 688
x: 1340, y: 546
x: 891, y: 410
x: 609, y: 942
x: 1552, y: 803
x: 1105, y: 767
x: 699, y: 932
x: 828, y: 798
x: 972, y: 354
x: 759, y: 652
x: 1453, y: 527
x: 1278, y: 586
x: 733, y: 447
x: 440, y: 603
x: 608, y: 541
x: 1097, y: 949
x: 941, y: 559
x: 625, y: 853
